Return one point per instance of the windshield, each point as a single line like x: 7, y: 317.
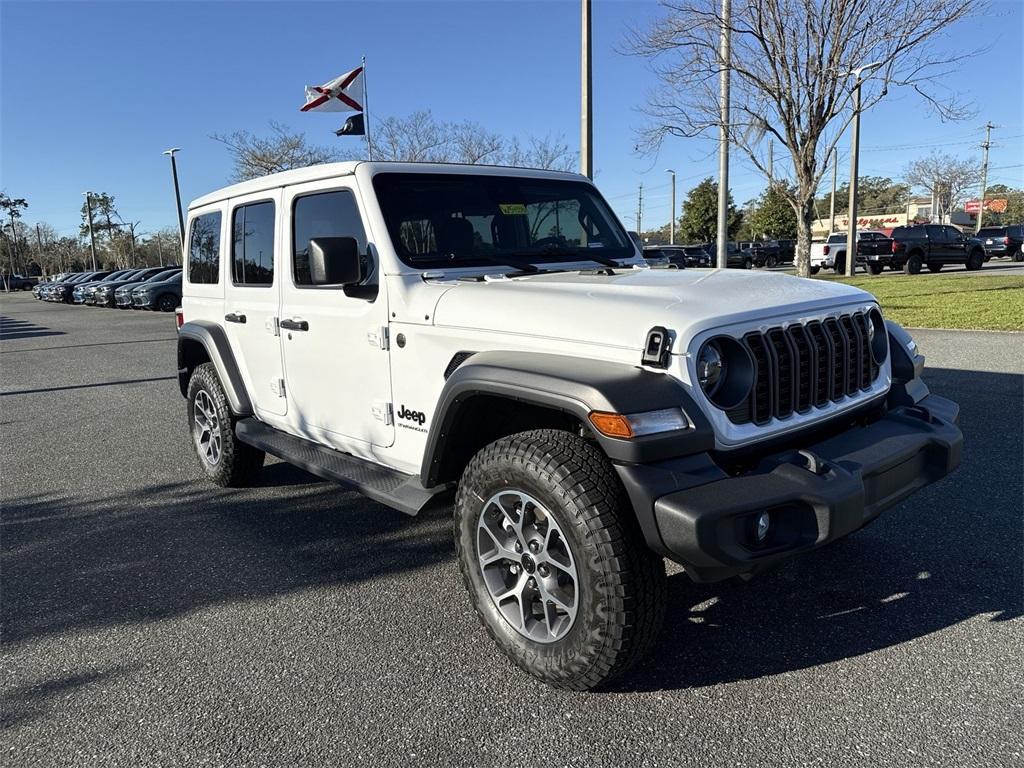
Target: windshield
x: 990, y: 232
x: 445, y: 220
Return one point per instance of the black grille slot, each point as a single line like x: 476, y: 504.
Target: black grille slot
x: 801, y: 367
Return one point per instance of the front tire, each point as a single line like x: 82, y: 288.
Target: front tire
x: 167, y: 303
x: 815, y: 270
x: 975, y: 260
x: 557, y: 570
x: 875, y: 268
x: 224, y: 458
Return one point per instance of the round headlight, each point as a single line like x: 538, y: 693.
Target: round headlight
x: 725, y: 371
x: 710, y: 367
x: 878, y: 338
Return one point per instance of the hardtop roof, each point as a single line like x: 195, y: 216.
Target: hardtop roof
x: 348, y: 168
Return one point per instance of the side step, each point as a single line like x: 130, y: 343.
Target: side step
x: 388, y: 486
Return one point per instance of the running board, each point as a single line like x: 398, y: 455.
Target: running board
x: 388, y: 486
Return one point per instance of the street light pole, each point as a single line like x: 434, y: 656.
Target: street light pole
x: 92, y: 237
x: 984, y: 175
x: 177, y: 193
x: 722, y: 260
x: 851, y: 229
x: 672, y: 218
x: 586, y: 97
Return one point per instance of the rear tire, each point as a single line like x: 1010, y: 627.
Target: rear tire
x: 975, y: 260
x: 608, y: 588
x: 912, y: 266
x: 875, y: 268
x: 934, y: 266
x: 815, y: 270
x: 224, y: 458
x: 1018, y: 255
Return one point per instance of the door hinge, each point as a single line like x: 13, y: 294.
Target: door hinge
x: 383, y: 411
x: 272, y: 326
x: 378, y: 337
x: 277, y: 387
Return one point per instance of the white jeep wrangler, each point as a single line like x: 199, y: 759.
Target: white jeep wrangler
x: 415, y: 330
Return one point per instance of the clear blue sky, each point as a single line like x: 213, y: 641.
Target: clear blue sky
x: 93, y: 92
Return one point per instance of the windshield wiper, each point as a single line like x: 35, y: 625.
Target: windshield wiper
x: 554, y: 250
x: 509, y: 261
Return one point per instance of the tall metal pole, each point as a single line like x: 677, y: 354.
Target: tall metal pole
x: 832, y: 200
x: 771, y: 160
x: 586, y: 96
x: 14, y: 243
x: 92, y: 237
x: 723, y: 137
x: 640, y: 213
x: 672, y: 218
x: 851, y: 228
x: 984, y: 176
x: 177, y: 194
x: 366, y: 115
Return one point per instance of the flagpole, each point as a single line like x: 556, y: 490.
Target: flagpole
x: 366, y: 115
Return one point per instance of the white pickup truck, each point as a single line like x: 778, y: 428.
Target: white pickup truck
x: 492, y: 339
x: 831, y: 253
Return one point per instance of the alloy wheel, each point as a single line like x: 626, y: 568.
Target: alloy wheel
x: 527, y: 566
x: 207, y: 428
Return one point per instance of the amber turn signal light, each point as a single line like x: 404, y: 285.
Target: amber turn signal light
x: 611, y: 424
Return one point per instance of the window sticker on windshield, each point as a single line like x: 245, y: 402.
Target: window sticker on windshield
x: 512, y: 209
x: 595, y: 245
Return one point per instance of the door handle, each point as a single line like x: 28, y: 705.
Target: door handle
x: 231, y: 317
x: 295, y: 325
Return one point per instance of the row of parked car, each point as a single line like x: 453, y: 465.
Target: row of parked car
x: 154, y: 288
x: 743, y: 255
x: 918, y: 246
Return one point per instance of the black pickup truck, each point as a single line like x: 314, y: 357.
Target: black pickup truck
x: 931, y: 245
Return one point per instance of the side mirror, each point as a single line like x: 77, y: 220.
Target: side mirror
x: 335, y: 261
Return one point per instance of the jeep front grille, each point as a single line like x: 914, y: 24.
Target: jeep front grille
x: 806, y: 366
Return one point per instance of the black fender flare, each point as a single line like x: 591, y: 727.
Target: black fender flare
x: 907, y: 386
x: 575, y: 386
x: 213, y: 339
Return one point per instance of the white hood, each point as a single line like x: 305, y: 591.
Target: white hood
x: 619, y: 310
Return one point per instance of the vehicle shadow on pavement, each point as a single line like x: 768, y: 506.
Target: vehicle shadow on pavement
x: 950, y: 553
x: 12, y: 328
x: 32, y: 701
x: 162, y: 550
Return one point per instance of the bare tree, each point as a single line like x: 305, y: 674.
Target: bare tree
x: 418, y: 138
x: 946, y: 178
x: 282, y: 150
x: 790, y: 66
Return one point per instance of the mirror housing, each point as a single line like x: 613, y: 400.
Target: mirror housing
x: 335, y: 261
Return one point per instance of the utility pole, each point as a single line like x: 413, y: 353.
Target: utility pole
x: 640, y: 213
x: 771, y: 160
x: 851, y: 231
x: 177, y: 192
x: 586, y: 97
x: 672, y: 218
x: 984, y: 175
x: 725, y: 58
x: 92, y: 237
x: 832, y: 200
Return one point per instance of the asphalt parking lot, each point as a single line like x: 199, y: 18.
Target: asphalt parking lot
x: 152, y: 619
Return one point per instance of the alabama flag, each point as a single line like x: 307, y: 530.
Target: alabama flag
x: 336, y: 95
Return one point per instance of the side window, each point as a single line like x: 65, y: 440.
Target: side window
x: 204, y: 249
x: 252, y: 244
x: 935, y: 232
x: 953, y: 234
x: 327, y: 214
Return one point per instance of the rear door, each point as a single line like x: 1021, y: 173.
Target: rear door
x: 956, y: 245
x: 252, y: 297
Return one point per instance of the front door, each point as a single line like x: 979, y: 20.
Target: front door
x: 334, y: 338
x: 252, y: 298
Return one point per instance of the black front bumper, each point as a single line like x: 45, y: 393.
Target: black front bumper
x: 696, y: 513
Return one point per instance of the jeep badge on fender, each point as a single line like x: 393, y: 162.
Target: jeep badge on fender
x: 417, y: 416
x: 590, y: 416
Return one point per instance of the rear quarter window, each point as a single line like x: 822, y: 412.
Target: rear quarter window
x: 204, y: 249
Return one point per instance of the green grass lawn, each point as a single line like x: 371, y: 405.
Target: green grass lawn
x: 985, y: 302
